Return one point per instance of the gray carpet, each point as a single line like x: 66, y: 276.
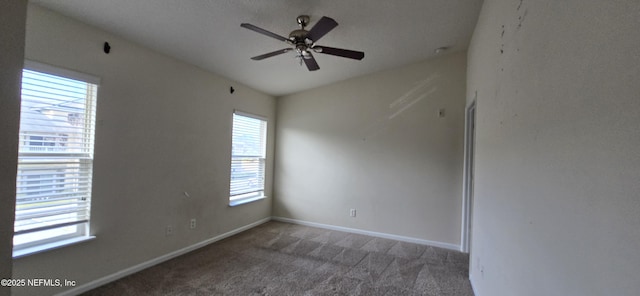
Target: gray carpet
x: 278, y: 258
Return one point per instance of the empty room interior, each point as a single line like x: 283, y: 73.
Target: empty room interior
x: 506, y: 131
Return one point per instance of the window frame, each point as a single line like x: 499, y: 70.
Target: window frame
x: 259, y: 194
x: 73, y: 231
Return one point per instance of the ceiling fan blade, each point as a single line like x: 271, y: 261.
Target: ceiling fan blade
x: 311, y: 63
x: 273, y: 53
x: 322, y: 27
x: 263, y: 31
x: 345, y: 53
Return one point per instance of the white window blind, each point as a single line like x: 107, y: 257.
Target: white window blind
x: 55, y: 160
x: 249, y: 142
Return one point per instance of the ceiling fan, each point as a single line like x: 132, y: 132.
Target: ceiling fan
x: 304, y: 42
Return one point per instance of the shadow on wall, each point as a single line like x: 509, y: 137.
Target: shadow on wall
x: 283, y: 209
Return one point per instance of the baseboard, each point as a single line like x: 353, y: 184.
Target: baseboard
x: 475, y: 292
x: 371, y: 233
x: 133, y: 269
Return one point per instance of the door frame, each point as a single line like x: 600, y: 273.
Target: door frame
x: 468, y: 176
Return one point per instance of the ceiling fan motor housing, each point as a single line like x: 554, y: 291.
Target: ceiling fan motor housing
x: 298, y: 36
x: 299, y: 39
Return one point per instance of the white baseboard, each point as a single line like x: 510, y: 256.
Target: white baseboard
x: 133, y: 269
x: 475, y: 292
x: 371, y: 233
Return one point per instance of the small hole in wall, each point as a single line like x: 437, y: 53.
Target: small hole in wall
x: 106, y: 48
x: 441, y: 113
x: 231, y: 90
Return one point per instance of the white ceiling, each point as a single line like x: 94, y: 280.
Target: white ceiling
x: 207, y: 33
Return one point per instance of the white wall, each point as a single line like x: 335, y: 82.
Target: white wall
x: 13, y: 15
x: 557, y: 194
x: 163, y: 127
x: 376, y: 144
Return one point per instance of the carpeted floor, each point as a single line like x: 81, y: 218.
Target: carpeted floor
x: 278, y: 258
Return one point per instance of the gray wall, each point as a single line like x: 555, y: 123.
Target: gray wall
x: 163, y: 127
x: 557, y: 196
x: 13, y: 15
x: 376, y: 144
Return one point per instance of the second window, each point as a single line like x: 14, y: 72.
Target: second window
x: 248, y: 157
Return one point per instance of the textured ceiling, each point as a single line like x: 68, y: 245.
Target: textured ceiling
x: 207, y: 33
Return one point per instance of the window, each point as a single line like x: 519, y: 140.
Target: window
x: 55, y: 157
x: 249, y: 143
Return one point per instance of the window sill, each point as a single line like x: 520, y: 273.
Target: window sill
x: 246, y: 200
x: 50, y: 246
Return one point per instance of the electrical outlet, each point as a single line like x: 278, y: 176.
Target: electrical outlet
x: 352, y: 212
x: 192, y: 225
x: 169, y: 230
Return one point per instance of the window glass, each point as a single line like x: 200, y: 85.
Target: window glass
x: 247, y: 157
x: 55, y: 160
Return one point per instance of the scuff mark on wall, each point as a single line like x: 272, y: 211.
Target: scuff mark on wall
x: 502, y: 37
x: 521, y: 18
